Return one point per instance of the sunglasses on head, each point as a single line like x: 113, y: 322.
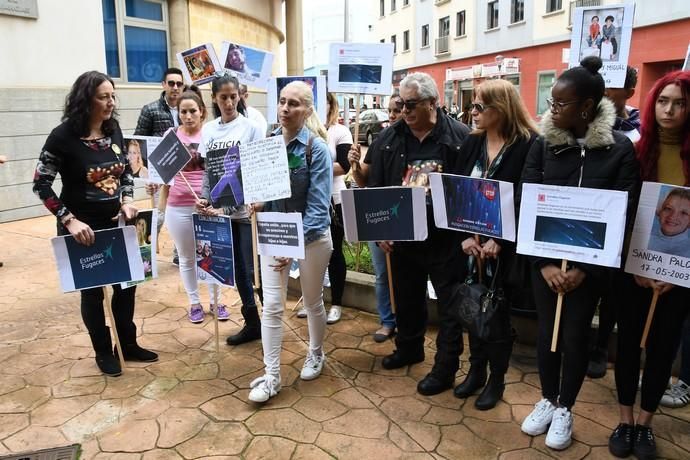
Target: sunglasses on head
x: 172, y: 84
x: 411, y: 105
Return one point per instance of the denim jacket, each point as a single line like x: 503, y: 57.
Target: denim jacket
x: 310, y: 184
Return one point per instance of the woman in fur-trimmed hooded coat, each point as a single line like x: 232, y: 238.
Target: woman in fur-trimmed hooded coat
x: 578, y: 148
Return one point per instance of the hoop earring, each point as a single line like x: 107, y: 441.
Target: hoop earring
x: 584, y: 115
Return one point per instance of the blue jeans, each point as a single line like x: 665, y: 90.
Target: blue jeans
x: 383, y: 297
x: 242, y: 242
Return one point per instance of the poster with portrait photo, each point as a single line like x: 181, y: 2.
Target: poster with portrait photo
x: 144, y: 223
x: 138, y: 149
x: 605, y: 32
x: 660, y: 242
x: 251, y: 66
x: 361, y: 68
x: 473, y: 205
x: 199, y: 64
x: 215, y: 256
x: 276, y: 85
x: 574, y: 223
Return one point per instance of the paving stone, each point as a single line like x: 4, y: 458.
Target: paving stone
x: 592, y: 392
x: 506, y: 435
x: 597, y: 413
x: 443, y: 416
x: 340, y: 340
x: 403, y: 440
x: 161, y: 454
x: 345, y: 447
x: 161, y: 343
x: 667, y: 450
x: 592, y: 433
x: 459, y: 442
x: 500, y: 413
x: 129, y: 384
x: 21, y: 364
x: 177, y: 425
x: 521, y: 393
x: 445, y: 399
x: 405, y: 408
x: 159, y: 387
x: 227, y: 409
x: 191, y: 337
x: 85, y: 368
x: 55, y: 412
x: 117, y: 456
x: 325, y: 385
x: 319, y: 409
x: 361, y: 423
x: 50, y: 374
x: 672, y: 430
x: 576, y: 449
x: 12, y: 423
x: 194, y: 394
x: 310, y: 452
x: 132, y: 436
x: 23, y: 400
x: 35, y: 438
x: 528, y: 454
x: 216, y: 439
x: 356, y: 359
x: 81, y: 386
x: 10, y: 383
x: 234, y: 366
x: 139, y: 408
x: 426, y: 435
x: 385, y: 386
x: 352, y: 398
x: 270, y: 448
x: 286, y: 423
x: 95, y: 419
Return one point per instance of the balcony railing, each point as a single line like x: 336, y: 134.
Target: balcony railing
x: 577, y: 3
x: 442, y: 45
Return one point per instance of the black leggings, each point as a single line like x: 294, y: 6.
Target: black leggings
x: 562, y: 373
x: 93, y: 315
x: 662, y: 341
x: 337, y: 269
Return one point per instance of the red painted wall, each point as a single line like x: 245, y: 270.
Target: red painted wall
x: 654, y: 51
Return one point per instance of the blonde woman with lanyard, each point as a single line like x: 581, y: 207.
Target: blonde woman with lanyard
x: 310, y: 181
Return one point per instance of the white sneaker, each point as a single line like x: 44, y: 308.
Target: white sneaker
x: 264, y: 388
x: 561, y: 430
x: 302, y: 312
x: 334, y: 314
x: 676, y: 396
x: 538, y: 420
x: 313, y: 365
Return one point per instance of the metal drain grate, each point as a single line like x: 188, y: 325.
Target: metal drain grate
x: 56, y: 453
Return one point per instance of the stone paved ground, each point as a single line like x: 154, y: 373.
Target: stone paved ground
x: 193, y: 402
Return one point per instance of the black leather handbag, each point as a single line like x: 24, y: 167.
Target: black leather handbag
x: 476, y: 305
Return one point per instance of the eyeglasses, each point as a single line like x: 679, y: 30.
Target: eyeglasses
x: 479, y: 107
x: 173, y: 84
x: 558, y: 106
x: 411, y: 105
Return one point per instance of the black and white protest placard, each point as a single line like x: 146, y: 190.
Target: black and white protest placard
x: 660, y: 242
x: 604, y: 31
x: 251, y: 66
x: 473, y: 205
x: 169, y: 157
x: 113, y: 258
x: 573, y: 223
x: 280, y: 234
x: 265, y: 171
x: 385, y: 214
x: 145, y: 224
x: 361, y: 68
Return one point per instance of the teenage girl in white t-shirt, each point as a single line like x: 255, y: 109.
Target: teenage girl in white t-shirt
x: 232, y: 128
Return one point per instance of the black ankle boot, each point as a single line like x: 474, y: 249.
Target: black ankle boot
x: 108, y: 364
x: 492, y: 393
x: 250, y: 331
x: 475, y: 379
x: 133, y: 352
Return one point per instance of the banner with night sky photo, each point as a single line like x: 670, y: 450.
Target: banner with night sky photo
x: 113, y: 258
x: 473, y: 205
x: 385, y: 214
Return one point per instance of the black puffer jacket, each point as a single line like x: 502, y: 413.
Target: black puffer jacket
x: 606, y: 161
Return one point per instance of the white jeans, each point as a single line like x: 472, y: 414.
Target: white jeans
x: 178, y: 220
x: 312, y: 270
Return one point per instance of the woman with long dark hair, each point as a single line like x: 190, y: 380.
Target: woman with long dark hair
x: 87, y: 151
x: 579, y: 148
x: 496, y: 149
x: 664, y: 154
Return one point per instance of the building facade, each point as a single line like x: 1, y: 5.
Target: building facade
x: 46, y: 44
x: 462, y: 42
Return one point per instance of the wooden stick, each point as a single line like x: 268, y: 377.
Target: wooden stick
x: 113, y: 327
x: 300, y: 300
x: 196, y: 197
x: 255, y: 252
x: 390, y: 281
x: 356, y: 136
x: 216, y: 300
x: 559, y: 307
x: 358, y: 255
x: 650, y: 316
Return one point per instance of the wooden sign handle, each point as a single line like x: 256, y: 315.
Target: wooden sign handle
x: 255, y: 253
x: 113, y: 327
x: 650, y: 317
x: 356, y: 136
x: 390, y: 282
x: 559, y: 307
